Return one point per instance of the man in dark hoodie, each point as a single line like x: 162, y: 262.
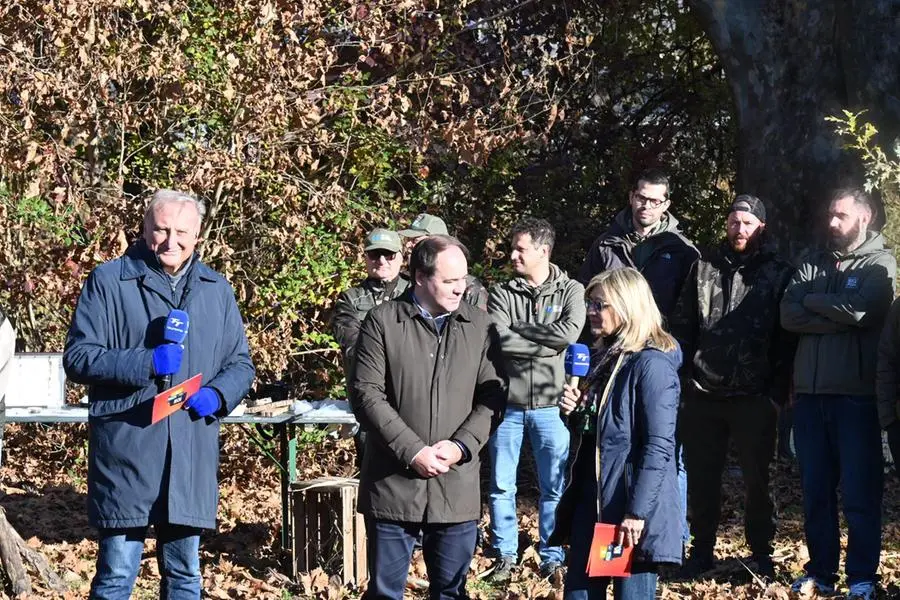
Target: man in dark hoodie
x: 837, y: 301
x: 644, y: 235
x: 736, y: 362
x: 538, y: 313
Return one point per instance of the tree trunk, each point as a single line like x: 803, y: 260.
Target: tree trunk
x: 11, y: 559
x: 791, y: 63
x: 12, y: 550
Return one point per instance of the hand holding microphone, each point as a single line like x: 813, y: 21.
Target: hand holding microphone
x: 167, y: 356
x: 578, y: 363
x: 167, y: 361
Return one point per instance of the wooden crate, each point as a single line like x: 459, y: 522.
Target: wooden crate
x: 328, y: 532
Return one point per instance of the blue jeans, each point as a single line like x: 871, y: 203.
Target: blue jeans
x: 838, y: 442
x: 549, y: 440
x: 119, y: 558
x: 642, y: 583
x: 446, y: 547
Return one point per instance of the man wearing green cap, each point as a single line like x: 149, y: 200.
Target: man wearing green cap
x: 383, y: 282
x: 424, y: 225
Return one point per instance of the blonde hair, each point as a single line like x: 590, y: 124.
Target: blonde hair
x: 628, y: 294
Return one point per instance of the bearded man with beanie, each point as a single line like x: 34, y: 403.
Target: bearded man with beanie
x: 737, y: 361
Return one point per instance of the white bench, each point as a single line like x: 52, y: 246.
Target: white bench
x: 36, y: 390
x: 36, y: 393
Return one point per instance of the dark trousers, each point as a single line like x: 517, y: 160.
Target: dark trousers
x: 446, y: 547
x: 838, y: 442
x: 707, y: 422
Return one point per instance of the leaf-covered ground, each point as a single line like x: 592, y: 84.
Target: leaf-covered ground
x: 43, y: 485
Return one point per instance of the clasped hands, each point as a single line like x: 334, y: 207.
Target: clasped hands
x: 437, y: 459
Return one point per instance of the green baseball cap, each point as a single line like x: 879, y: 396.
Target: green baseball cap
x: 383, y: 239
x: 425, y: 224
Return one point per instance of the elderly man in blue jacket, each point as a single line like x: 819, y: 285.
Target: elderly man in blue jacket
x: 164, y: 473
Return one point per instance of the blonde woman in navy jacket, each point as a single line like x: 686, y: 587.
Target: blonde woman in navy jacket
x: 635, y: 433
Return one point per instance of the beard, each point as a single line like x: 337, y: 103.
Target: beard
x: 844, y: 241
x: 741, y: 244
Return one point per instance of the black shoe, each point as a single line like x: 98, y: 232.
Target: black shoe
x: 550, y: 568
x: 503, y: 568
x: 765, y: 568
x: 695, y: 566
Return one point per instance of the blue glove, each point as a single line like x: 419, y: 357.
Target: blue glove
x: 167, y: 359
x: 205, y: 402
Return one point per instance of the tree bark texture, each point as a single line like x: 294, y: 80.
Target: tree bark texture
x: 19, y: 581
x: 791, y: 63
x: 12, y: 550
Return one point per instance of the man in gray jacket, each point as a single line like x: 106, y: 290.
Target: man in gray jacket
x: 837, y: 301
x: 538, y: 314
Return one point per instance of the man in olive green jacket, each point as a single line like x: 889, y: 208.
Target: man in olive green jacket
x: 384, y: 257
x: 837, y: 302
x: 429, y: 380
x: 383, y: 282
x: 538, y: 314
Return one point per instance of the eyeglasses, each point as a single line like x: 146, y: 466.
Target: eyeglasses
x: 595, y: 305
x: 376, y: 254
x: 651, y: 202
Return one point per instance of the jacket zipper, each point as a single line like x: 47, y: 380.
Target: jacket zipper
x: 531, y: 362
x: 434, y: 372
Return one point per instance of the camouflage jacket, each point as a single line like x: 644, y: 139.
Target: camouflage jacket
x: 727, y: 322
x: 476, y: 294
x: 352, y: 306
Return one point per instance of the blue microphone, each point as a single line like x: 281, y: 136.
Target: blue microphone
x: 174, y: 332
x: 578, y: 362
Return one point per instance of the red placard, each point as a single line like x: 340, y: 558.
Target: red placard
x: 607, y: 558
x: 172, y: 399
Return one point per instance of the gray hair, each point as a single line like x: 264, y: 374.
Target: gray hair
x: 164, y: 196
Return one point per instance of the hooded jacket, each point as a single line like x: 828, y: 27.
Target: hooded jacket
x: 536, y: 324
x: 838, y: 303
x: 887, y: 376
x: 663, y: 257
x: 727, y: 322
